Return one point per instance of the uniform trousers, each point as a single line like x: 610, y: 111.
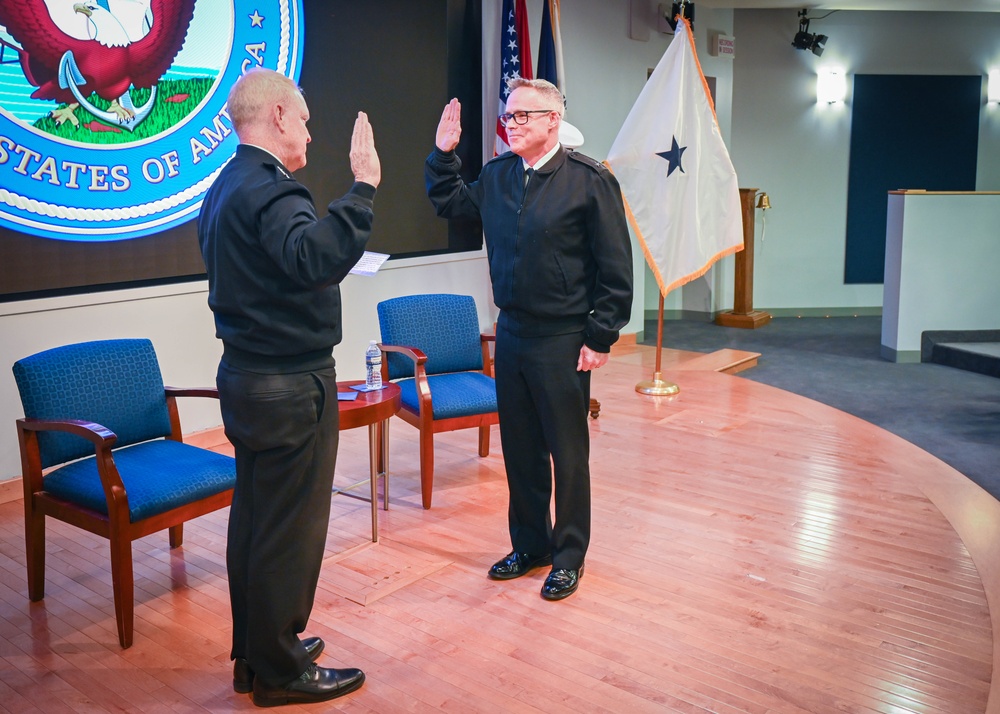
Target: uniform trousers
x: 542, y: 401
x: 285, y: 428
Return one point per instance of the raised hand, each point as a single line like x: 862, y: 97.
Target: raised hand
x: 364, y: 159
x: 449, y: 129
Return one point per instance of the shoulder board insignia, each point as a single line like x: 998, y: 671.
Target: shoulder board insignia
x: 586, y: 160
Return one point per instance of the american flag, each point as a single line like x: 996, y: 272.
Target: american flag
x: 515, y: 59
x: 550, y: 46
x: 550, y: 66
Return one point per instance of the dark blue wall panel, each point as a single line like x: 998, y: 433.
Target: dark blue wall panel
x: 907, y: 131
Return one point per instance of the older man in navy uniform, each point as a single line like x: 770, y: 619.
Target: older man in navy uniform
x: 273, y: 273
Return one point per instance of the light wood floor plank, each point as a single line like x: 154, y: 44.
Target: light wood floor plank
x: 753, y: 553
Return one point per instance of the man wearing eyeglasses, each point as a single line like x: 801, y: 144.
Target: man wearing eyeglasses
x: 561, y: 266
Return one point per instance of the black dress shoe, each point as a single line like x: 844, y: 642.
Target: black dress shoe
x: 561, y: 583
x: 316, y: 684
x: 517, y: 564
x: 243, y: 675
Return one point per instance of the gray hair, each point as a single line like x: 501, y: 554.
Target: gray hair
x: 255, y: 93
x: 549, y: 92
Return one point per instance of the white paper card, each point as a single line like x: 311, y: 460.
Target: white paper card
x: 369, y: 263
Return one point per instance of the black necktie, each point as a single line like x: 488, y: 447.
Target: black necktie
x: 527, y: 175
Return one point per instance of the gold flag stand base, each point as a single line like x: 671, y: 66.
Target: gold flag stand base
x: 657, y: 387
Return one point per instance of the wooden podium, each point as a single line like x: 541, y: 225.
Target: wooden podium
x: 743, y: 314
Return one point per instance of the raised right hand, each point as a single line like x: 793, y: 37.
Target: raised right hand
x: 364, y: 159
x: 449, y: 129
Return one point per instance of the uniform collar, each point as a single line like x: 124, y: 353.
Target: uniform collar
x: 544, y: 160
x: 277, y: 162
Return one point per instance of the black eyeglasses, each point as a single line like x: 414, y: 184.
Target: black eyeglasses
x: 521, y: 118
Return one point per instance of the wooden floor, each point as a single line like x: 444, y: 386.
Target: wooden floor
x: 753, y: 551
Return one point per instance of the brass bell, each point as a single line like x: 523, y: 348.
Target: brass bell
x: 763, y: 201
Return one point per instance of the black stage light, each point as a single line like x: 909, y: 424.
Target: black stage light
x: 802, y: 40
x: 805, y: 40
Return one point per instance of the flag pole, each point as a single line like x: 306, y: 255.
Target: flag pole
x: 657, y: 387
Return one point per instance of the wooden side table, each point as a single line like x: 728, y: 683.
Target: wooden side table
x: 371, y: 409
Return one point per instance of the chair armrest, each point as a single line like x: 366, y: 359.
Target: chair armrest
x: 99, y: 435
x: 484, y: 344
x: 102, y: 438
x: 210, y: 392
x: 419, y: 375
x: 172, y: 393
x: 417, y: 355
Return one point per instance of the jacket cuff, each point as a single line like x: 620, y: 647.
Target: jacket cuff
x: 363, y: 190
x: 445, y: 157
x: 595, y: 345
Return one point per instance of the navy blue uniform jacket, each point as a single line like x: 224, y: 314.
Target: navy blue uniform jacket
x: 559, y: 251
x: 274, y: 266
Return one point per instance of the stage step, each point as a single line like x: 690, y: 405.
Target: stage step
x: 970, y: 350
x: 725, y: 360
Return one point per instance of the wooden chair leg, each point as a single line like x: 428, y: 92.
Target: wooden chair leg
x: 484, y: 440
x: 34, y: 543
x: 176, y: 535
x: 426, y: 466
x: 595, y: 409
x: 124, y: 587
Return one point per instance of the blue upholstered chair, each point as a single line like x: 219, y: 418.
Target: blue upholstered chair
x: 97, y: 414
x: 436, y: 354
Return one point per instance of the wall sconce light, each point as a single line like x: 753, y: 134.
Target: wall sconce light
x: 993, y: 87
x: 831, y: 86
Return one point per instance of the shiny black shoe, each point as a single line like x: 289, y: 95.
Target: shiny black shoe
x: 243, y: 675
x: 316, y: 684
x: 561, y: 583
x: 517, y: 564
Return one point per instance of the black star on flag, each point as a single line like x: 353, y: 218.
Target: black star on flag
x: 673, y: 156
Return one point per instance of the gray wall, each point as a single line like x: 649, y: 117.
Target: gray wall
x: 796, y: 150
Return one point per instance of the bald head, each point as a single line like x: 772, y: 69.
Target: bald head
x: 254, y: 95
x: 267, y: 110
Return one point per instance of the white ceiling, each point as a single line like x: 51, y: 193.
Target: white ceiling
x: 925, y: 5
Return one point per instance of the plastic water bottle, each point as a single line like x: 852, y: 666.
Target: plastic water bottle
x: 373, y: 365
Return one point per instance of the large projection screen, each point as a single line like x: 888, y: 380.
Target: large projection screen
x: 397, y: 60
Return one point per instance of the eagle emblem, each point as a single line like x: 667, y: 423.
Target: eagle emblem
x: 72, y: 50
x: 113, y: 114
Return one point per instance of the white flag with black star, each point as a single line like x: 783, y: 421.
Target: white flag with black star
x: 680, y: 188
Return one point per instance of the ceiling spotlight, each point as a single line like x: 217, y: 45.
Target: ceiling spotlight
x: 802, y: 40
x: 805, y: 40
